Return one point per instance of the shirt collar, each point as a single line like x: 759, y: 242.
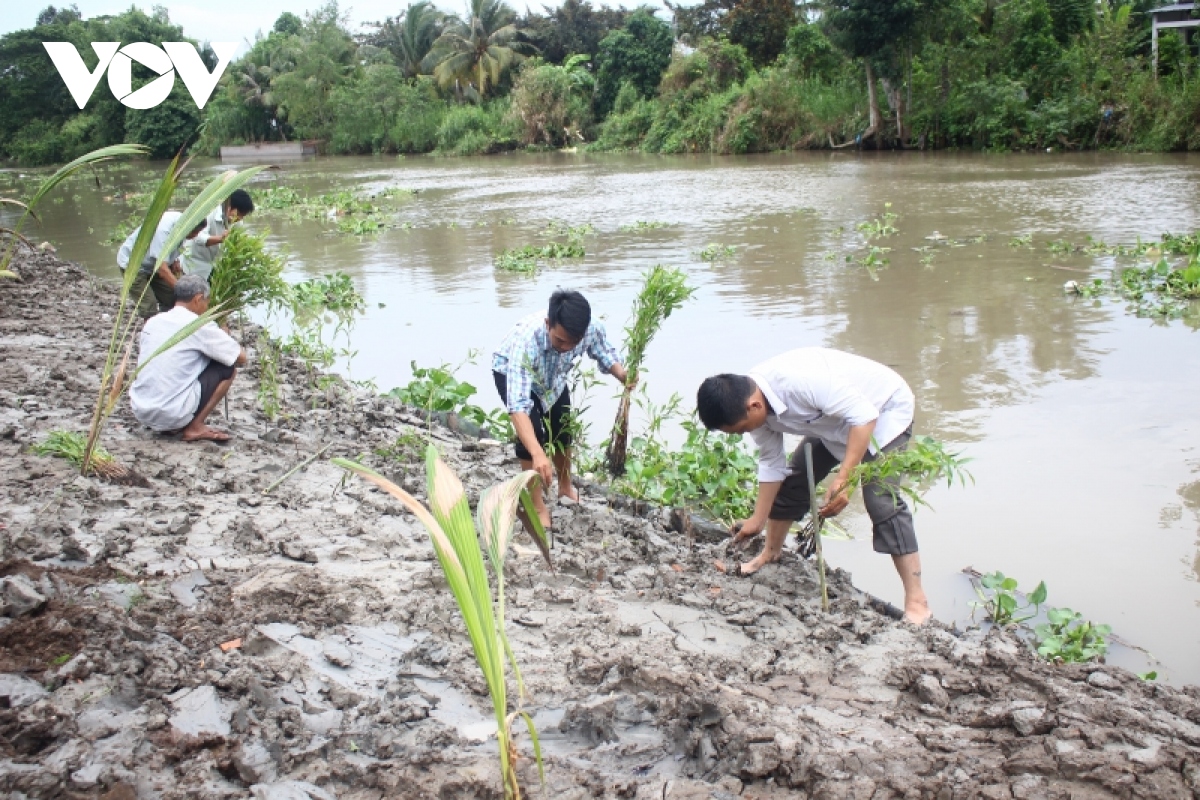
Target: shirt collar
x: 778, y: 407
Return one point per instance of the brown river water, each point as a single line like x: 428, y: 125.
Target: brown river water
x: 1080, y: 418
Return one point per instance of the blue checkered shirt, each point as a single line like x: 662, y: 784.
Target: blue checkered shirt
x: 531, y: 366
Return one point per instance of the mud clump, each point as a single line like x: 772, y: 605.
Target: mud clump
x: 196, y: 637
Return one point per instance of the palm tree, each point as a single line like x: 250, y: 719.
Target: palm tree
x: 477, y: 51
x: 411, y: 35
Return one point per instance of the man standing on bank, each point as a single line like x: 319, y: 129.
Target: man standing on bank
x: 845, y: 405
x: 180, y: 388
x: 531, y: 367
x: 206, y: 247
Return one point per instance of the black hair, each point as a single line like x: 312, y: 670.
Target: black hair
x: 201, y: 225
x: 570, y: 309
x: 721, y: 400
x: 239, y: 201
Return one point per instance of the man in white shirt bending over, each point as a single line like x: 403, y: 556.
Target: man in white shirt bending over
x: 179, y: 389
x: 153, y: 290
x: 842, y: 403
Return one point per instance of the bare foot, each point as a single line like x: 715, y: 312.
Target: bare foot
x: 757, y: 563
x: 568, y: 491
x: 916, y: 611
x: 205, y: 434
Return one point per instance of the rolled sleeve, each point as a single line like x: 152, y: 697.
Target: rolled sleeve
x: 601, y: 350
x: 519, y: 387
x: 217, y: 344
x: 772, y: 461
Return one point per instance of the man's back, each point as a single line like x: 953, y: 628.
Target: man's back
x: 165, y: 225
x: 166, y: 394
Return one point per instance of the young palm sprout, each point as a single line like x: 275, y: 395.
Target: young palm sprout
x: 664, y: 290
x: 460, y: 554
x: 14, y: 234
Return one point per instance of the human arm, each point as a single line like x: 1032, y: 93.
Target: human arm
x: 214, y: 240
x: 753, y: 525
x: 836, y: 498
x: 619, y: 372
x: 541, y: 462
x: 169, y: 273
x: 772, y: 469
x: 241, y: 359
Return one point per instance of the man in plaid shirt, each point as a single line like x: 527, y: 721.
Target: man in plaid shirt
x: 531, y: 367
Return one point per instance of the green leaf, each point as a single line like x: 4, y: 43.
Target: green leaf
x: 1039, y: 594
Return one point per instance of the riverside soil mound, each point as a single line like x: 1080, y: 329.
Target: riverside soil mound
x: 653, y: 674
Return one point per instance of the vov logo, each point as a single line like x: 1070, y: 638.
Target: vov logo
x: 178, y: 57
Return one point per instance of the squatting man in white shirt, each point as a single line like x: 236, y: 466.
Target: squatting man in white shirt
x: 846, y: 406
x: 177, y: 390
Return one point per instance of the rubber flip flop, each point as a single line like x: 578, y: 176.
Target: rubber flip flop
x: 211, y: 435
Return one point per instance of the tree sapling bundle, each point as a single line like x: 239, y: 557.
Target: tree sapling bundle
x: 664, y: 290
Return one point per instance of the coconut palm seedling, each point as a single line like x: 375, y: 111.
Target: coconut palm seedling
x: 664, y: 290
x: 71, y: 446
x: 14, y: 234
x: 113, y: 380
x: 460, y: 554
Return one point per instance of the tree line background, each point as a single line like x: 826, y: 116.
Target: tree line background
x: 725, y: 76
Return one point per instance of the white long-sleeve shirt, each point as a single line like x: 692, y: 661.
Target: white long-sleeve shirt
x: 823, y: 393
x: 166, y: 394
x: 198, y: 257
x: 161, y: 234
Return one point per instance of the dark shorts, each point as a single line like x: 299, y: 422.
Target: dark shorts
x: 560, y: 417
x: 213, y: 376
x: 891, y: 521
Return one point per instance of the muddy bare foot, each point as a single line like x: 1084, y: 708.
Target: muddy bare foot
x: 757, y: 563
x: 568, y: 491
x: 206, y: 434
x: 916, y: 612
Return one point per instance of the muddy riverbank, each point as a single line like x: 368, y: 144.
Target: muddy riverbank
x: 653, y: 674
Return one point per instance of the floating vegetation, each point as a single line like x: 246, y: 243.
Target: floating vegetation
x: 1021, y: 241
x: 356, y: 215
x: 526, y: 260
x: 880, y: 226
x: 277, y: 197
x: 361, y: 226
x: 1061, y: 247
x: 559, y: 228
x: 125, y: 227
x: 717, y: 252
x: 641, y: 226
x: 1165, y: 288
x: 874, y: 260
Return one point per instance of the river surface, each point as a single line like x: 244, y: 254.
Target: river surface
x: 1081, y: 419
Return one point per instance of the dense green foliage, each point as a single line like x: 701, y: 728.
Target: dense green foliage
x: 744, y: 76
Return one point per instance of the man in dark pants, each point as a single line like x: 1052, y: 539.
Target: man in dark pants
x: 531, y: 367
x: 843, y: 404
x: 177, y: 390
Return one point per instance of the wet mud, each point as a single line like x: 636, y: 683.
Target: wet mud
x: 198, y: 638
